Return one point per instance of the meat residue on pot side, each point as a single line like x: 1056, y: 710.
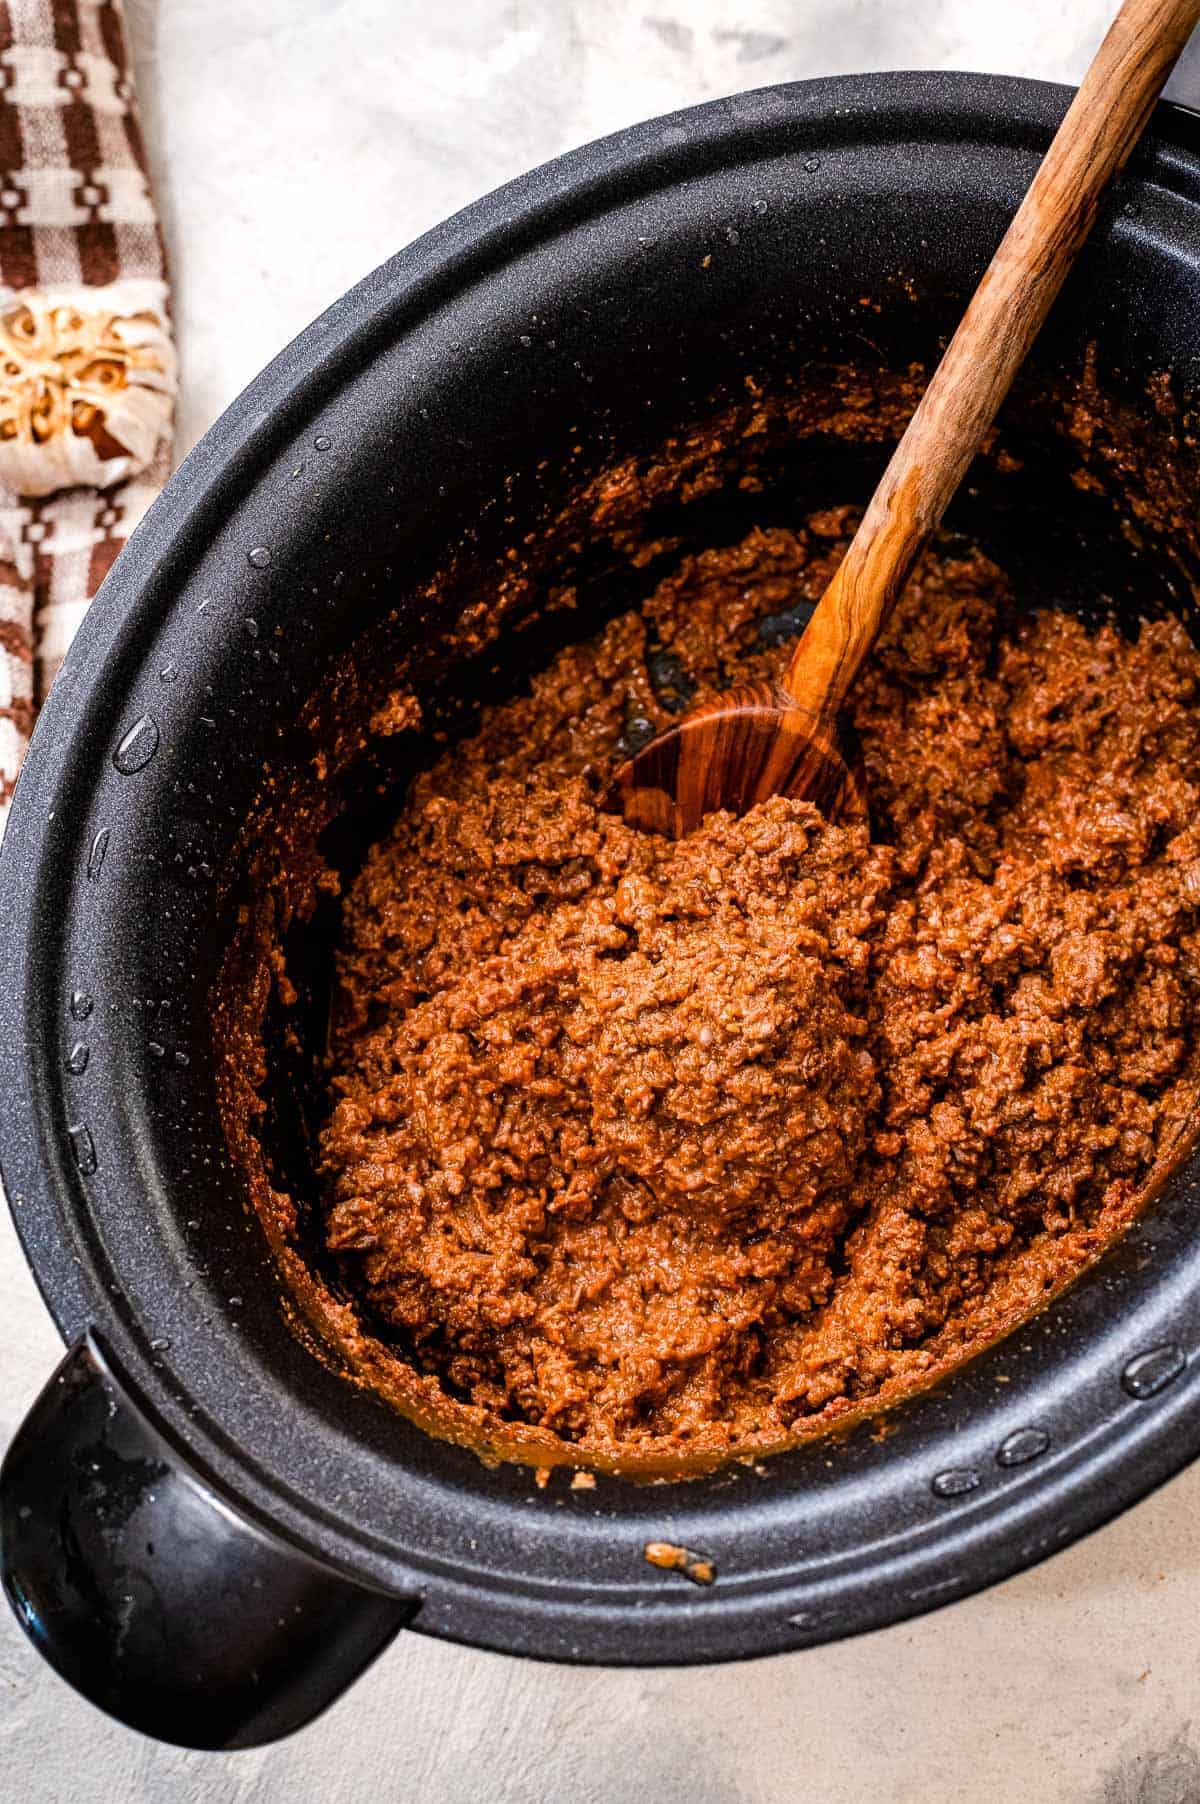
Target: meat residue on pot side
x: 684, y: 1149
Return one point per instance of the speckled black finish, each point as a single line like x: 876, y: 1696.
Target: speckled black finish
x: 574, y: 306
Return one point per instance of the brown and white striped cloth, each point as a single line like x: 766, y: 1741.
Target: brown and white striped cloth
x: 87, y: 366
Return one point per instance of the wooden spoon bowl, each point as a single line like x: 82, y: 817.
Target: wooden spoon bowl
x: 732, y: 752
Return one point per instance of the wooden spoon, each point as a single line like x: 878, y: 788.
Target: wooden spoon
x: 762, y: 740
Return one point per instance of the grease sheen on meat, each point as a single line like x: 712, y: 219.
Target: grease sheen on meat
x: 691, y: 1146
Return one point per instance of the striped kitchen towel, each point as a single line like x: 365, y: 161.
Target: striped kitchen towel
x: 87, y: 365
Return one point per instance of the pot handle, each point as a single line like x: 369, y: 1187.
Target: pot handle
x: 154, y: 1596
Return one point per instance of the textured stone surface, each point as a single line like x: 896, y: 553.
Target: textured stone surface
x: 1074, y: 1683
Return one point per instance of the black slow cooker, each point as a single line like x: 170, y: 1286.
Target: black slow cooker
x: 205, y: 1528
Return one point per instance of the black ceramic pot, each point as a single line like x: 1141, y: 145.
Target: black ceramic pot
x: 204, y: 1528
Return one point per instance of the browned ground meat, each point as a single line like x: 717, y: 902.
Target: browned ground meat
x: 686, y: 1146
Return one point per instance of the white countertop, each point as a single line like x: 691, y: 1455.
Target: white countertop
x: 297, y: 143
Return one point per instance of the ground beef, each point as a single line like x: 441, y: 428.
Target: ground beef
x: 689, y: 1147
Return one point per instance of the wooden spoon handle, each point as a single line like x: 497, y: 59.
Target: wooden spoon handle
x: 1101, y: 127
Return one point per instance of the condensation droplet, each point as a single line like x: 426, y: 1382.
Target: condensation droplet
x: 168, y: 674
x: 81, y: 1005
x: 260, y: 557
x: 1022, y: 1445
x: 160, y: 1345
x: 759, y: 207
x: 956, y: 1482
x: 1152, y: 1371
x: 138, y: 746
x: 77, y: 1059
x: 812, y: 165
x: 95, y: 863
x: 156, y: 1049
x: 84, y: 1148
x: 321, y: 442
